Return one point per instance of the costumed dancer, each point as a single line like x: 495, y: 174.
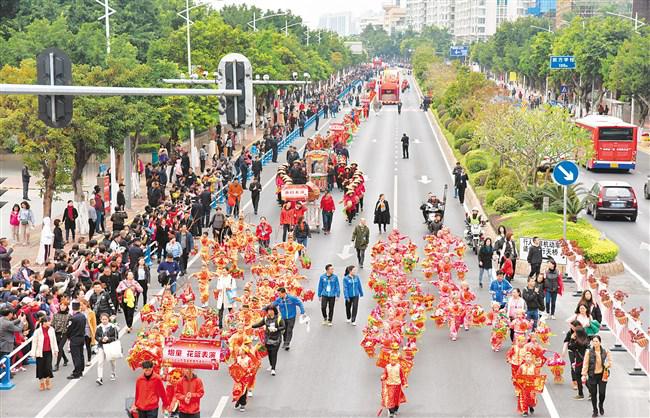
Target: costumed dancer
x: 499, y: 322
x: 393, y: 381
x: 515, y: 356
x: 204, y: 277
x: 528, y: 382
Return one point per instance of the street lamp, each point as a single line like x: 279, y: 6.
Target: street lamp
x: 253, y: 23
x: 546, y: 82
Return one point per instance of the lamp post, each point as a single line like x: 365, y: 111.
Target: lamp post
x: 253, y: 23
x: 546, y: 82
x: 108, y: 11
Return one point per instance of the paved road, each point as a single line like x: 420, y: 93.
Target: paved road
x: 326, y: 373
x: 633, y: 238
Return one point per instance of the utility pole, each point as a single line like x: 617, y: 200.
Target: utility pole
x: 108, y: 11
x: 308, y: 35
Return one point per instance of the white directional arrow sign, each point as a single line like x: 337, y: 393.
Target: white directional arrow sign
x: 425, y: 180
x: 644, y: 246
x: 568, y: 175
x: 374, y: 140
x: 417, y: 141
x: 345, y: 254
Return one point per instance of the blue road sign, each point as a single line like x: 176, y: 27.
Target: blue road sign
x: 458, y: 51
x: 564, y: 89
x: 563, y: 62
x: 565, y: 173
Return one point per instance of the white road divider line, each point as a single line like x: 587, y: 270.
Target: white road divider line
x: 550, y: 405
x: 395, y: 201
x: 636, y: 275
x: 220, y: 407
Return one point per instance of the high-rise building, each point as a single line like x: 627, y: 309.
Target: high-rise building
x: 543, y: 8
x: 568, y: 9
x: 395, y: 18
x: 341, y: 23
x: 476, y: 20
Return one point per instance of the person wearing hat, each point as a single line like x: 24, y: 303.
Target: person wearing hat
x: 76, y: 333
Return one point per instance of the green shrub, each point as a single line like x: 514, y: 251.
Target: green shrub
x: 505, y: 204
x: 476, y: 154
x: 478, y: 179
x: 493, y: 177
x: 602, y: 251
x: 441, y: 109
x: 448, y: 123
x: 461, y: 141
x: 465, y: 148
x: 510, y: 185
x: 453, y: 125
x: 493, y: 195
x: 465, y: 130
x: 475, y: 165
x: 533, y: 195
x: 443, y: 119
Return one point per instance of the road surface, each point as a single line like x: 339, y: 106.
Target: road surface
x: 327, y: 373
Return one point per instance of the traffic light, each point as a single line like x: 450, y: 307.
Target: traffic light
x: 2, y: 191
x: 236, y: 73
x: 54, y: 68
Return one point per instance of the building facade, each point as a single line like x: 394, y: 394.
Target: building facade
x: 341, y: 23
x: 568, y: 9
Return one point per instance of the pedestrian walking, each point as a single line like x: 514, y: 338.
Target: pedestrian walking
x: 328, y: 291
x: 185, y: 238
x: 89, y: 331
x: 70, y: 216
x: 235, y: 191
x: 46, y: 242
x: 26, y: 218
x: 129, y: 289
x: 286, y: 219
x: 595, y: 372
x: 399, y: 107
x: 301, y: 233
x: 534, y: 301
x: 393, y: 380
x: 405, y: 146
x: 60, y: 322
x: 273, y: 329
x: 288, y: 305
x: 553, y: 286
x: 576, y: 343
x: 227, y: 288
x: 171, y: 269
x: 485, y: 255
x: 26, y: 176
x: 143, y: 276
x: 256, y: 189
x: 149, y: 392
x: 14, y: 223
x: 534, y: 258
x: 456, y: 172
x: 188, y: 392
x: 361, y: 239
x: 92, y: 219
x: 121, y: 197
x: 263, y: 233
x: 105, y: 334
x: 499, y: 289
x: 44, y: 349
x: 460, y: 183
x: 59, y: 242
x: 76, y: 333
x: 382, y: 213
x: 327, y: 208
x: 352, y: 291
x: 217, y: 223
x: 203, y: 157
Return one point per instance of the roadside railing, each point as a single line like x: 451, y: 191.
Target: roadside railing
x: 5, y: 365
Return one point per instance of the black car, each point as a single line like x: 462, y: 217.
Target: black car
x: 612, y: 198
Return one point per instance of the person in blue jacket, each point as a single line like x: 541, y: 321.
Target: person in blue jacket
x: 328, y: 291
x: 287, y: 304
x: 499, y: 289
x: 352, y: 290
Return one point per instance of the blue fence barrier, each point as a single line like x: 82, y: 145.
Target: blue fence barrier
x: 220, y: 196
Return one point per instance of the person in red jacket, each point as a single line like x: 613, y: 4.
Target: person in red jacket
x: 286, y: 219
x: 149, y: 392
x: 263, y: 233
x: 188, y: 392
x: 327, y: 207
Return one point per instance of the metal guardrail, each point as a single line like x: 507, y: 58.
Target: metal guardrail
x: 5, y: 365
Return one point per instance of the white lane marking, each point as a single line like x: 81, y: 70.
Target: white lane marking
x: 67, y: 388
x: 220, y: 407
x: 644, y: 246
x: 550, y: 405
x: 395, y: 201
x: 636, y: 275
x: 425, y: 179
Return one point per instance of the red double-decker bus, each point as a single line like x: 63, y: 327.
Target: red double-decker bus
x: 615, y: 142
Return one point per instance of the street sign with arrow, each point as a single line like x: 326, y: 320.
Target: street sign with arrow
x: 565, y: 173
x: 424, y: 180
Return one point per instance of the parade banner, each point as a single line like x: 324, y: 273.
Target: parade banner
x: 295, y: 192
x: 193, y: 353
x: 550, y: 249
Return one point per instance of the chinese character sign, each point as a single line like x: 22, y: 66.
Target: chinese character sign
x: 550, y: 249
x: 192, y: 353
x: 558, y: 62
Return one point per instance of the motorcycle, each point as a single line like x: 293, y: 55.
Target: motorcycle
x: 474, y: 236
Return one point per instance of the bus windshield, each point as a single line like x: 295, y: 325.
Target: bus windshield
x: 616, y: 134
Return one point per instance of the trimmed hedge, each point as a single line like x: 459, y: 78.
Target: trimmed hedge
x: 505, y: 204
x: 479, y: 178
x: 145, y: 148
x: 510, y: 185
x: 475, y: 165
x: 465, y: 130
x: 460, y: 141
x: 547, y: 225
x: 493, y: 195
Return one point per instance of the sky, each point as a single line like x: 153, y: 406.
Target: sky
x: 311, y: 10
